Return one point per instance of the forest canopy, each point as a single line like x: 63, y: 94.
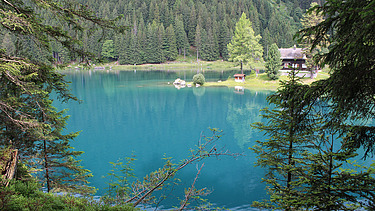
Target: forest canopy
x: 169, y: 27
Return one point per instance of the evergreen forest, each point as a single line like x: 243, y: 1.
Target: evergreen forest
x: 160, y: 30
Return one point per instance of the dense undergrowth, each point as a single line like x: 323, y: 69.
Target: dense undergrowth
x: 27, y: 195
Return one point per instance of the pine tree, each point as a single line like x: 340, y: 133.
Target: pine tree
x: 305, y: 159
x: 192, y: 26
x: 125, y: 49
x: 171, y: 51
x: 153, y: 51
x: 181, y: 38
x: 198, y: 40
x: 349, y: 89
x: 273, y: 63
x: 134, y: 50
x: 280, y: 154
x: 162, y: 44
x: 204, y: 47
x: 28, y: 120
x: 221, y: 38
x: 208, y: 52
x: 108, y: 50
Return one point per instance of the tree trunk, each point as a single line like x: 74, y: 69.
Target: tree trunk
x: 197, y: 56
x: 46, y: 166
x: 11, y: 167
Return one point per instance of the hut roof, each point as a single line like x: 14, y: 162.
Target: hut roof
x: 239, y: 75
x: 292, y: 53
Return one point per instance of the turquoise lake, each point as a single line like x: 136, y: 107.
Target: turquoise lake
x: 127, y: 113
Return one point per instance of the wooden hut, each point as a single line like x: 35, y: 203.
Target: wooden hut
x: 239, y: 78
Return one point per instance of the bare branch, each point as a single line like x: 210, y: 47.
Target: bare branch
x: 158, y: 178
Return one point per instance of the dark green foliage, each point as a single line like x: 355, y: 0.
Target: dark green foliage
x: 192, y: 26
x: 182, y: 43
x: 108, y: 50
x: 273, y: 63
x: 199, y: 79
x: 162, y: 45
x: 28, y: 120
x: 198, y: 40
x: 275, y: 22
x: 152, y: 51
x: 308, y: 164
x: 280, y: 154
x: 350, y: 88
x: 170, y: 42
x: 311, y: 19
x: 337, y: 110
x: 27, y: 196
x: 209, y: 47
x: 224, y: 38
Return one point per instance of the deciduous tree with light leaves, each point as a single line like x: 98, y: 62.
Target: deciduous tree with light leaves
x: 244, y: 47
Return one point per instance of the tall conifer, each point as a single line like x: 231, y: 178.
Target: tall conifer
x: 171, y: 52
x: 192, y: 26
x: 273, y: 63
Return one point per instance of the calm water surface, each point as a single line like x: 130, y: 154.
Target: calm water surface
x: 125, y: 113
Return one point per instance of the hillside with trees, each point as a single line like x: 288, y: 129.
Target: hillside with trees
x: 160, y: 30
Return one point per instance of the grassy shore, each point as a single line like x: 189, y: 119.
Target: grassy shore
x: 253, y: 82
x: 262, y: 82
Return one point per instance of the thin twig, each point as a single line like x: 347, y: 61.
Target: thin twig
x: 188, y: 195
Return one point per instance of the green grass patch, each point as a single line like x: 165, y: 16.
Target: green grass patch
x: 262, y: 82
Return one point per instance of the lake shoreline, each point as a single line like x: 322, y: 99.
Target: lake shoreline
x: 253, y: 81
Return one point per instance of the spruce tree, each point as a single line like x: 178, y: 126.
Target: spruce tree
x: 171, y: 51
x: 181, y: 38
x: 222, y: 38
x: 125, y: 49
x: 152, y: 49
x: 108, y: 50
x: 28, y: 120
x: 288, y: 131
x: 349, y: 89
x: 198, y: 40
x: 307, y: 163
x: 134, y: 50
x: 204, y: 50
x: 162, y: 47
x: 208, y: 52
x: 192, y: 26
x: 273, y: 63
